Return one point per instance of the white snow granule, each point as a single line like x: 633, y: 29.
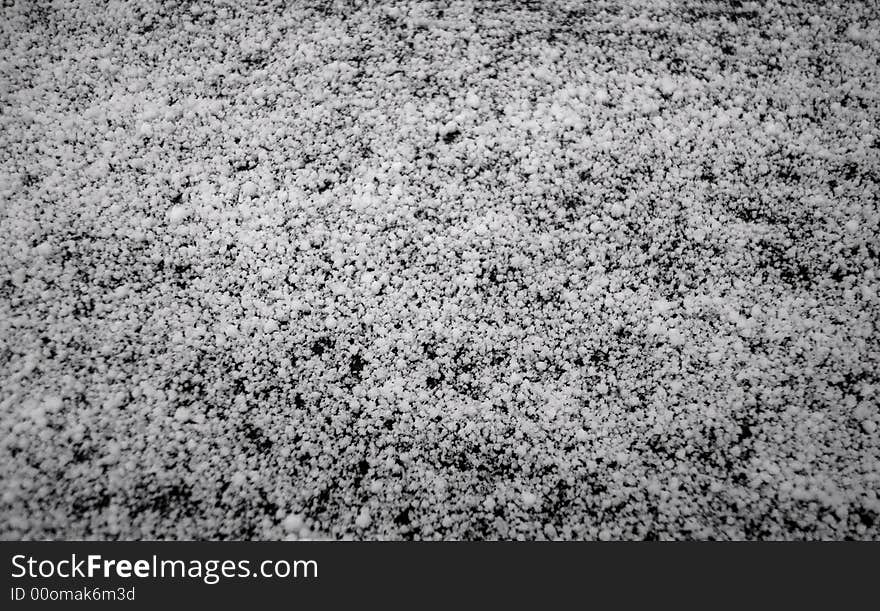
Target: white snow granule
x: 293, y: 522
x: 177, y: 214
x: 248, y: 189
x: 363, y: 519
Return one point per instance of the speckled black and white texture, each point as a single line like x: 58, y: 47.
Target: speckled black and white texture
x: 430, y: 270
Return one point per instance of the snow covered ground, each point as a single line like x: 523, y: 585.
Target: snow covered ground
x: 429, y: 270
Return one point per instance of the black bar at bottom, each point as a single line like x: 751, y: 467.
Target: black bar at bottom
x: 410, y: 574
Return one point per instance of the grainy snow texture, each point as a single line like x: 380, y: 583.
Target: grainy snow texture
x: 518, y: 270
